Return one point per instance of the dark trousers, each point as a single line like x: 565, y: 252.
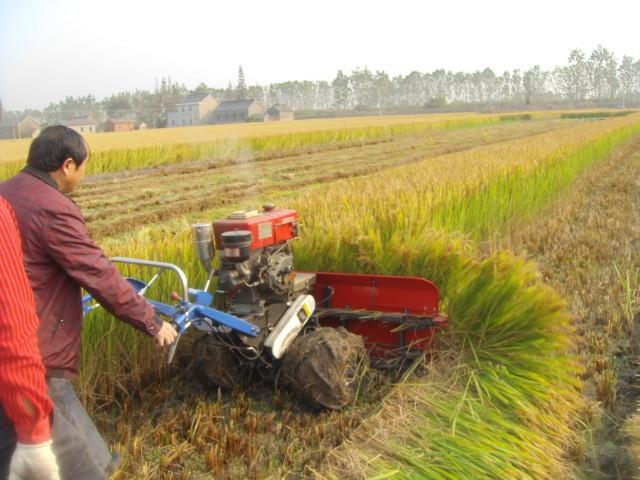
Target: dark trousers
x: 81, y: 451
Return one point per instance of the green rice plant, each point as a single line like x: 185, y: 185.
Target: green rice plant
x: 515, y: 116
x: 410, y: 208
x: 9, y: 169
x: 598, y: 114
x: 117, y: 359
x: 506, y: 200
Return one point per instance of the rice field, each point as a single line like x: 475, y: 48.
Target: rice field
x: 506, y: 216
x: 117, y: 203
x: 120, y: 151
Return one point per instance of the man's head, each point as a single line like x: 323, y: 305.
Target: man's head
x: 63, y: 153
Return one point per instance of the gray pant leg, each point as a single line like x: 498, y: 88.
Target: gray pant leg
x: 7, y: 444
x: 81, y: 451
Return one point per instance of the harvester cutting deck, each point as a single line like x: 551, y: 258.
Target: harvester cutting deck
x: 314, y: 329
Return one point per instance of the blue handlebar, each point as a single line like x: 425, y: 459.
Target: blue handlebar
x: 188, y: 312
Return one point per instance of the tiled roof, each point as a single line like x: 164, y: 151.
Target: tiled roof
x: 191, y: 99
x: 234, y: 105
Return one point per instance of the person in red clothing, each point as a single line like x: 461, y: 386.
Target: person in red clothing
x: 23, y: 389
x: 61, y: 259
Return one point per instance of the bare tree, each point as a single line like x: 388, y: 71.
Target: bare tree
x: 575, y: 78
x: 533, y: 83
x: 600, y: 65
x: 382, y: 85
x: 627, y: 78
x: 341, y: 90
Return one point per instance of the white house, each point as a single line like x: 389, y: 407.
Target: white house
x: 191, y: 110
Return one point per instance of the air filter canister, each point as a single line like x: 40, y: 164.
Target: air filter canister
x: 236, y: 245
x: 203, y: 238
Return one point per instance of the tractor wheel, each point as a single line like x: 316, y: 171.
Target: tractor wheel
x: 323, y: 367
x: 216, y: 364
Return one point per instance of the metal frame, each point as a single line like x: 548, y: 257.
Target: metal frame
x: 162, y: 266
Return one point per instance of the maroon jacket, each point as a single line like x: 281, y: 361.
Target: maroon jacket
x: 61, y: 259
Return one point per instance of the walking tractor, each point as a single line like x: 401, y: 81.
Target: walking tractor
x: 314, y: 330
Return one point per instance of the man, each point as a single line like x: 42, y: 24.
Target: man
x: 61, y: 259
x: 23, y: 390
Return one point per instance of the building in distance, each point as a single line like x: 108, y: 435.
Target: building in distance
x: 192, y: 110
x: 278, y: 112
x: 19, y: 126
x: 118, y: 125
x: 236, y: 111
x: 84, y: 124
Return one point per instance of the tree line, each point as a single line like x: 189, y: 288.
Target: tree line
x: 597, y: 79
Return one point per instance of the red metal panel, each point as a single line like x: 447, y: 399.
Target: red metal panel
x: 382, y: 338
x: 268, y: 228
x: 381, y: 293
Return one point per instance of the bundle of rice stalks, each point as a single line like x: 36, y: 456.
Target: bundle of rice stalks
x: 500, y: 399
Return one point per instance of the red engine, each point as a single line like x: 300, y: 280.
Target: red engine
x: 269, y: 227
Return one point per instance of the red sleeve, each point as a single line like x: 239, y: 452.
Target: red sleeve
x: 23, y: 389
x: 71, y: 247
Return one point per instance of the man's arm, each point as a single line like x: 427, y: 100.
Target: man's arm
x: 72, y: 248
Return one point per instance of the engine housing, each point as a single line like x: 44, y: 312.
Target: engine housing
x: 257, y: 277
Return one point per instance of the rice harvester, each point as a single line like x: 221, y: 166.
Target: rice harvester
x: 314, y: 330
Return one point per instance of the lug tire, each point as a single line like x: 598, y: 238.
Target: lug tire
x: 323, y: 367
x: 216, y: 364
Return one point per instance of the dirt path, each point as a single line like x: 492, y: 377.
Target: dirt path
x: 585, y: 247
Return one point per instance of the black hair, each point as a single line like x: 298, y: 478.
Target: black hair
x: 54, y: 145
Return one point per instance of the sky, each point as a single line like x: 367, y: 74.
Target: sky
x: 50, y: 49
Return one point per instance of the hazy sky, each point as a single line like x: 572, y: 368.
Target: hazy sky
x: 53, y: 48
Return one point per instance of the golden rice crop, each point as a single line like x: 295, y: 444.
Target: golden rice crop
x: 512, y: 389
x: 117, y: 151
x: 15, y: 150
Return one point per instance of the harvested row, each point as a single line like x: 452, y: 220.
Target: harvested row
x: 115, y: 205
x: 587, y: 249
